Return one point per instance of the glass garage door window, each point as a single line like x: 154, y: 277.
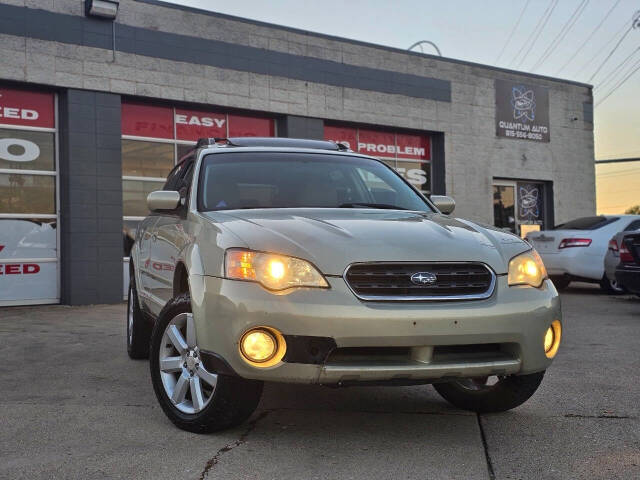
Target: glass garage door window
x: 154, y: 138
x: 29, y: 255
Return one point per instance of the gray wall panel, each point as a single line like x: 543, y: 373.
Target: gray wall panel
x: 91, y: 198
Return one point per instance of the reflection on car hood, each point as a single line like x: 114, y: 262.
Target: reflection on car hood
x: 334, y: 238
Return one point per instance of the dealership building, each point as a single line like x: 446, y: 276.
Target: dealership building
x: 95, y: 111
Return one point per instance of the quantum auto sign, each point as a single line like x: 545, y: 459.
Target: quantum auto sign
x: 522, y: 111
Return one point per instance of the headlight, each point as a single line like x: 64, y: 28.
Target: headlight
x: 527, y: 269
x: 275, y: 272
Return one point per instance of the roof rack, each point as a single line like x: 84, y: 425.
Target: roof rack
x: 271, y: 142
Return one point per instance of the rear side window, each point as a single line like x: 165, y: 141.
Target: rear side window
x: 635, y: 225
x: 586, y: 223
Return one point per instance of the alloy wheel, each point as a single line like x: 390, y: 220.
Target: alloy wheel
x: 130, y: 317
x: 186, y: 381
x: 480, y: 383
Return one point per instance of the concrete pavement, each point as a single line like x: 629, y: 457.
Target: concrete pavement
x: 74, y: 406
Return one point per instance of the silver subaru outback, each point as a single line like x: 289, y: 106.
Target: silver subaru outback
x: 300, y: 261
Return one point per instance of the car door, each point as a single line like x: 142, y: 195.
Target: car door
x: 169, y: 237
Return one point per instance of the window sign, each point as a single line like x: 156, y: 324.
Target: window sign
x: 409, y: 154
x: 530, y: 203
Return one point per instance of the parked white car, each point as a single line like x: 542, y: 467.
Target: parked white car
x: 575, y: 250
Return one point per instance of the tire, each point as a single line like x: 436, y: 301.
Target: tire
x: 561, y: 283
x: 611, y: 288
x: 224, y: 401
x: 138, y: 328
x: 509, y: 392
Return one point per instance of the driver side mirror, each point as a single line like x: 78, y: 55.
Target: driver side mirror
x: 163, y: 200
x: 445, y: 204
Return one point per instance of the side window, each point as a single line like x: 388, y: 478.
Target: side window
x: 173, y: 178
x: 635, y: 225
x: 185, y: 182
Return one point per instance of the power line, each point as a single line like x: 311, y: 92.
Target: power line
x: 592, y: 58
x: 636, y: 67
x: 614, y: 73
x: 584, y: 43
x: 610, y: 53
x: 562, y: 33
x: 544, y: 18
x: 513, y: 30
x: 537, y: 35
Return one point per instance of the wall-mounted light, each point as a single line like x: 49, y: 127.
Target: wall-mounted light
x: 102, y: 8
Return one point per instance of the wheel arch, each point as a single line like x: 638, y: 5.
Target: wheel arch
x: 180, y: 279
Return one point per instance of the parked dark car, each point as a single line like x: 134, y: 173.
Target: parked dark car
x: 628, y: 270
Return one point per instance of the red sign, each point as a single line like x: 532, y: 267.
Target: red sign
x: 413, y: 146
x: 381, y: 144
x: 193, y: 124
x: 345, y: 135
x: 27, y: 108
x: 153, y: 121
x: 19, y: 268
x: 147, y: 120
x: 378, y: 144
x: 241, y: 126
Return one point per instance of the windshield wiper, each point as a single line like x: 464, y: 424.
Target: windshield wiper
x: 384, y: 206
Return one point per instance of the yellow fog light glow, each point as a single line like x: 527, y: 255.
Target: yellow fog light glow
x: 275, y: 272
x: 258, y: 346
x: 262, y: 347
x: 527, y: 269
x: 552, y: 339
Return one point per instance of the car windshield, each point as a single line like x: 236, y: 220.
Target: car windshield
x: 586, y: 223
x: 236, y: 180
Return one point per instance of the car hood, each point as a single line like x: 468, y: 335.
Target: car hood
x: 334, y: 238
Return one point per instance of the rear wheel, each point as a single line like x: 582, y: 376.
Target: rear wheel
x: 194, y: 398
x: 138, y: 329
x: 612, y: 287
x: 490, y: 394
x: 561, y: 282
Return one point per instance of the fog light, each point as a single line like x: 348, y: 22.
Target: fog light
x: 262, y: 346
x: 552, y: 339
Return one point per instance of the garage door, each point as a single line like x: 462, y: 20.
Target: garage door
x: 28, y: 198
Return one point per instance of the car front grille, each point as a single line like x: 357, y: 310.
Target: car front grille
x: 393, y: 281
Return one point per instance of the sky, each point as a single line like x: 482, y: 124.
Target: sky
x: 486, y: 32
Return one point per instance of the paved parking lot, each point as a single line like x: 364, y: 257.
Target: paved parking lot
x: 74, y: 406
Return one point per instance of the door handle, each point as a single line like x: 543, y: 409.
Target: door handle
x: 154, y: 237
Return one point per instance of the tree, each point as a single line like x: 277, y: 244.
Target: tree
x: 635, y: 210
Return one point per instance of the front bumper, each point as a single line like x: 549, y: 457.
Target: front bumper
x: 513, y: 321
x: 629, y: 277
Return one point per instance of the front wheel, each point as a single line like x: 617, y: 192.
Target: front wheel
x: 490, y: 394
x: 194, y: 398
x: 612, y: 287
